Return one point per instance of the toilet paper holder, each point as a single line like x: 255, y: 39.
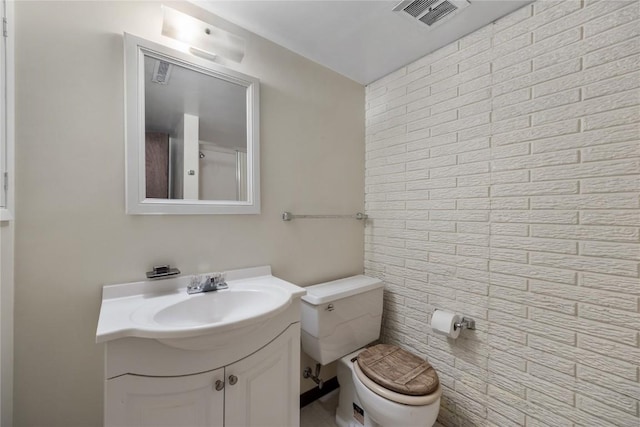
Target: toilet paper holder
x: 465, y: 323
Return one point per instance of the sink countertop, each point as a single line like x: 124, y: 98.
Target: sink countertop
x: 153, y: 308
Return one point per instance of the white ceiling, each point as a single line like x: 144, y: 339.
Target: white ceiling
x: 363, y: 40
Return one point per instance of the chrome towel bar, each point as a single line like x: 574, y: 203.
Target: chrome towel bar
x: 288, y: 216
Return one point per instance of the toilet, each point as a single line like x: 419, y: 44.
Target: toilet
x: 380, y: 386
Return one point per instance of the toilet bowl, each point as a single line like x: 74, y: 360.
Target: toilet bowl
x: 344, y: 316
x: 388, y: 408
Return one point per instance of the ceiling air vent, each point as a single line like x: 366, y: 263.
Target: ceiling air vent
x: 429, y: 12
x: 417, y: 7
x: 438, y: 12
x: 161, y: 72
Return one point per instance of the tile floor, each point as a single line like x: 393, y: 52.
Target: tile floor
x: 321, y: 413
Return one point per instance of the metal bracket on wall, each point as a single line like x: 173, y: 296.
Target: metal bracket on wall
x: 465, y: 323
x: 288, y: 216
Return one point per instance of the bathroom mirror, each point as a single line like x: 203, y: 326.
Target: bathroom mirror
x: 191, y: 134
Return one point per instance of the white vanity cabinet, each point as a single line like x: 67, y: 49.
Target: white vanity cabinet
x: 190, y: 400
x: 261, y: 389
x: 267, y: 391
x: 226, y: 358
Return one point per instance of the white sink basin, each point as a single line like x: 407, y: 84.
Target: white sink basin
x: 164, y: 311
x: 225, y: 306
x: 245, y: 301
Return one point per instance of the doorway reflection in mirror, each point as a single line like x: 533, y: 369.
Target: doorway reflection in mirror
x: 195, y: 134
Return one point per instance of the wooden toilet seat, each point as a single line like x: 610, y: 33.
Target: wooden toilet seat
x: 398, y: 370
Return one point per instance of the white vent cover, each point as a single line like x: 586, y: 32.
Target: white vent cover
x: 429, y: 12
x: 161, y: 72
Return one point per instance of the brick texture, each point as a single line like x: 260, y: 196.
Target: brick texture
x: 503, y: 183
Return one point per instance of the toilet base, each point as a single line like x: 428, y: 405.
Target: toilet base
x: 349, y: 412
x: 352, y: 423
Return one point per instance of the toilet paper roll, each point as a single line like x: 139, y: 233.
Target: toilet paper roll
x: 442, y: 322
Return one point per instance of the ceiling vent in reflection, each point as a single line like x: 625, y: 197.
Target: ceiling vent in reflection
x: 430, y: 12
x: 161, y: 72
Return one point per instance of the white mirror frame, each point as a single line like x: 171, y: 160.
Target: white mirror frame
x: 136, y: 201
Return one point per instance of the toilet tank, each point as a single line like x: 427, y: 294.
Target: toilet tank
x: 340, y: 317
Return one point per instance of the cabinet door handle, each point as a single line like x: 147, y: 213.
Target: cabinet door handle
x: 219, y: 385
x: 233, y: 379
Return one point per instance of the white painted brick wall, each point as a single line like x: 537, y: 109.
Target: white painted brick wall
x: 503, y: 182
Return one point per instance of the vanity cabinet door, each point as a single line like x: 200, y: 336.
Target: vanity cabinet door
x: 186, y: 401
x: 263, y: 389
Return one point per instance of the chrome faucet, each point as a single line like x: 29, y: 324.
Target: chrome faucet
x: 209, y: 284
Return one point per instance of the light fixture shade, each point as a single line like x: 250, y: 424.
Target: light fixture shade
x: 207, y: 40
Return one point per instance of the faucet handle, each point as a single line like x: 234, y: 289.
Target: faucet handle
x: 220, y: 280
x: 195, y: 283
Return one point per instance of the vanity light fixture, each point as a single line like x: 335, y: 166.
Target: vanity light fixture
x: 201, y: 38
x: 202, y: 53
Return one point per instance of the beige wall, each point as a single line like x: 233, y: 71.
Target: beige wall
x: 72, y: 234
x: 6, y: 321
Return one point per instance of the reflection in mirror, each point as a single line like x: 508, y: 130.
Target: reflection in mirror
x: 192, y: 134
x: 195, y: 134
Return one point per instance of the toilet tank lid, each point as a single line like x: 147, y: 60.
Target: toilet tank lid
x: 338, y: 289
